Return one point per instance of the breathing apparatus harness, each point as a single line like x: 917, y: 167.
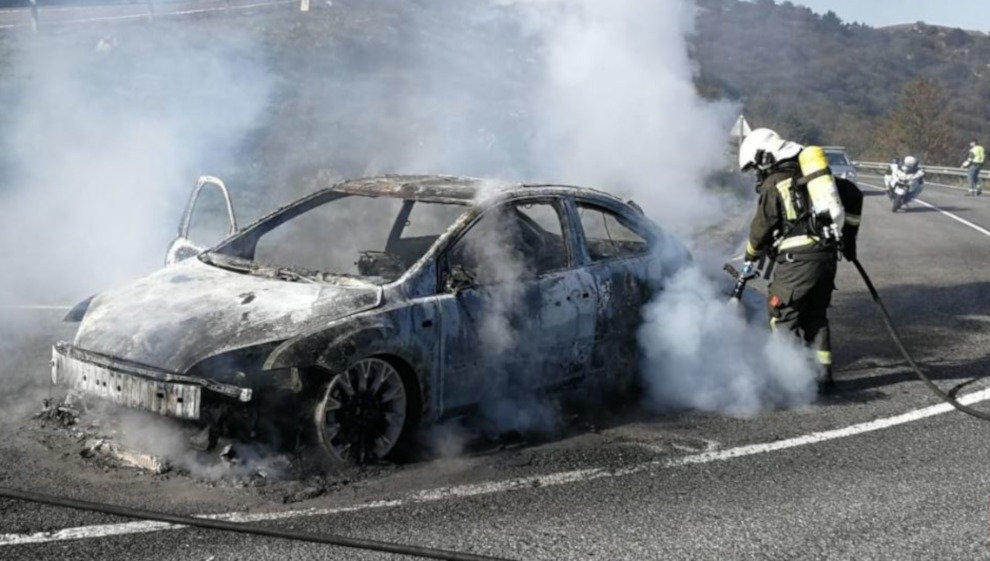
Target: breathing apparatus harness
x: 823, y: 224
x: 818, y: 225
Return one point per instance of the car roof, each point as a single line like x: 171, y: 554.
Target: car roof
x: 457, y: 189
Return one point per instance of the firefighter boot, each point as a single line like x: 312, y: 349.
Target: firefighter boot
x: 826, y: 384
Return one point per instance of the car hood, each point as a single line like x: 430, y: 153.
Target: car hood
x: 184, y: 313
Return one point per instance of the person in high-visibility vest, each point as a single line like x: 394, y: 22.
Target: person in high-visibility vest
x: 974, y: 165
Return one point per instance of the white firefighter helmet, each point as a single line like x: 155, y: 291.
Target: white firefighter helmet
x: 764, y: 142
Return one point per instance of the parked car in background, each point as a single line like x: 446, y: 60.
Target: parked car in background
x: 374, y: 306
x: 840, y: 163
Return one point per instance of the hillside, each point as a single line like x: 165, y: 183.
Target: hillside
x: 820, y: 79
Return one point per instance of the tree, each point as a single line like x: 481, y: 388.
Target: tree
x: 831, y: 22
x: 917, y: 125
x: 957, y: 38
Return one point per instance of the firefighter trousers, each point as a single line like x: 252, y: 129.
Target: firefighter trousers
x: 800, y: 295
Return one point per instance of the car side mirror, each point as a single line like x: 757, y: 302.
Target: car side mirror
x: 458, y: 278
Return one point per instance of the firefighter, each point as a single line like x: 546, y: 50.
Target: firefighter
x: 790, y: 229
x: 973, y: 165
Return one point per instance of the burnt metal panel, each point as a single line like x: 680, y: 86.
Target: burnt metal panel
x: 181, y: 315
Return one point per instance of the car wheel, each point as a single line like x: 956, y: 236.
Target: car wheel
x: 363, y: 414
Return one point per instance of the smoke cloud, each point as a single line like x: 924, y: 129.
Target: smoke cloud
x: 702, y: 354
x: 619, y: 109
x: 104, y: 147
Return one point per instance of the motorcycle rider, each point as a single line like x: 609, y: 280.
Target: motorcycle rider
x: 806, y: 256
x: 973, y: 166
x: 908, y: 171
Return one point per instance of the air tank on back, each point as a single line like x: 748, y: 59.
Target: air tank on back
x: 824, y: 194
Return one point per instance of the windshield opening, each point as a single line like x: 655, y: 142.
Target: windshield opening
x: 373, y: 238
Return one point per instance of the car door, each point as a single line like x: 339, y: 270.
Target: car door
x: 217, y: 215
x: 616, y: 248
x: 513, y: 308
x: 567, y: 296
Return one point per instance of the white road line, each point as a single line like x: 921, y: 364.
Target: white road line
x: 959, y: 219
x: 522, y: 483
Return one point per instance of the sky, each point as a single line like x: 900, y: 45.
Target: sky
x: 967, y: 14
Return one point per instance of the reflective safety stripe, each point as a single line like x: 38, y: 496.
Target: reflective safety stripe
x: 852, y: 219
x: 784, y: 187
x: 825, y: 357
x: 773, y: 323
x: 750, y: 250
x: 797, y: 241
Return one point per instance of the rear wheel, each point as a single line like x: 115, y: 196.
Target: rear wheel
x: 364, y: 413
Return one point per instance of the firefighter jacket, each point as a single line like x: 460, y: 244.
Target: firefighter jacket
x: 780, y: 226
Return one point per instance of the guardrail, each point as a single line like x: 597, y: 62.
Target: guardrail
x: 929, y: 170
x: 35, y: 16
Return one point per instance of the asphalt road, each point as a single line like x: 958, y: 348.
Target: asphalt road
x: 821, y: 482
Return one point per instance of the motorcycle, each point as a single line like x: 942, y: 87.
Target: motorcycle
x: 903, y: 186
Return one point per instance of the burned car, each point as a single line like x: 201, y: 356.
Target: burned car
x: 365, y: 310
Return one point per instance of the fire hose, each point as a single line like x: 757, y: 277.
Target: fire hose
x: 889, y: 323
x: 254, y: 529
x: 740, y: 285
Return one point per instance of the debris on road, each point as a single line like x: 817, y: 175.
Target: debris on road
x: 107, y: 448
x: 65, y: 412
x: 141, y: 460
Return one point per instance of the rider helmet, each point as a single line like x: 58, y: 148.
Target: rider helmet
x: 910, y: 163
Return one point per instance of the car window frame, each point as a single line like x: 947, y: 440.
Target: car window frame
x: 559, y: 205
x: 244, y: 242
x: 625, y: 216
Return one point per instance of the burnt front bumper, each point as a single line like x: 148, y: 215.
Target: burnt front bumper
x: 136, y: 385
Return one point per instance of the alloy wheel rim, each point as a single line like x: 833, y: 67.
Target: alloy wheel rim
x: 364, y: 411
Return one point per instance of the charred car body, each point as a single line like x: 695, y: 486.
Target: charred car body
x: 375, y: 306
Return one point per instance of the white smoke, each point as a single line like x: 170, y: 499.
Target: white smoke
x: 619, y: 109
x: 105, y: 147
x: 700, y: 353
